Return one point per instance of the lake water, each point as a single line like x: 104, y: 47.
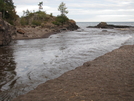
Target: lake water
x: 27, y: 63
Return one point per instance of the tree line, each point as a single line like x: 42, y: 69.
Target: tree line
x: 8, y: 11
x: 9, y: 14
x: 40, y: 18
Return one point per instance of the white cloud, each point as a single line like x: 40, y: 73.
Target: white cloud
x: 113, y: 17
x: 86, y: 10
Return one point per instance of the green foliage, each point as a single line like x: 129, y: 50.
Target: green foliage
x: 8, y: 11
x: 60, y: 20
x: 56, y: 23
x: 51, y: 14
x: 35, y: 22
x: 41, y: 15
x: 26, y: 13
x: 40, y: 18
x: 23, y: 21
x: 63, y: 9
x: 33, y: 18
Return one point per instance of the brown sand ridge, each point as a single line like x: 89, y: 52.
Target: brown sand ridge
x: 107, y: 78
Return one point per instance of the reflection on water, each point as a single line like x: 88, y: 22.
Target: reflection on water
x: 7, y: 66
x: 27, y: 63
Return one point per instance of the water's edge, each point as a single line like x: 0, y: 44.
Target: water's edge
x: 28, y: 63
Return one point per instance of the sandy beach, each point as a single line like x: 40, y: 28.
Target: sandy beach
x: 107, y: 78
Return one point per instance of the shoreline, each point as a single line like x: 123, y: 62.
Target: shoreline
x: 46, y: 35
x: 34, y: 33
x: 106, y: 78
x: 29, y: 32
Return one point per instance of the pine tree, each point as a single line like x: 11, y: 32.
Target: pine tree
x: 62, y: 8
x: 40, y: 5
x: 8, y: 10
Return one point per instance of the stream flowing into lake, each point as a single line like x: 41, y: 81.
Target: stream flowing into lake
x: 27, y: 63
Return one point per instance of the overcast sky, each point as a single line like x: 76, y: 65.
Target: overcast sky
x: 84, y: 10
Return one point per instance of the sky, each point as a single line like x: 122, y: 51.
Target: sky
x: 84, y: 10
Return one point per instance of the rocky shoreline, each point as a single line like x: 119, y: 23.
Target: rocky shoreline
x: 108, y: 26
x: 35, y: 32
x: 9, y: 32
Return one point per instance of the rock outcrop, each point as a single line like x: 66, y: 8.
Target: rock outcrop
x: 6, y: 31
x: 44, y: 31
x: 20, y: 31
x: 71, y: 25
x: 105, y: 25
x: 102, y: 25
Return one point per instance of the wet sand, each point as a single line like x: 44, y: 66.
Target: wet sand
x: 107, y: 78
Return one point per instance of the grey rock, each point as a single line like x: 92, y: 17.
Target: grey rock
x: 6, y: 31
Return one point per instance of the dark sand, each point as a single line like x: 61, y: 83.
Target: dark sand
x: 107, y: 78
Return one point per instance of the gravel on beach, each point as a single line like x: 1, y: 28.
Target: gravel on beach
x: 107, y: 78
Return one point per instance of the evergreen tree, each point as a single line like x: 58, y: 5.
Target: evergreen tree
x: 62, y: 8
x: 40, y: 5
x: 8, y: 10
x: 60, y: 20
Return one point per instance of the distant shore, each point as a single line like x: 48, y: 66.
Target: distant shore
x: 107, y: 78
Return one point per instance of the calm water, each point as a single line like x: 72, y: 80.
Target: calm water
x: 27, y: 63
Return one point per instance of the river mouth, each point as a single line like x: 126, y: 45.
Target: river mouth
x: 27, y: 63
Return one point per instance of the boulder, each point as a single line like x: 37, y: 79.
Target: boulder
x: 102, y: 25
x: 20, y: 31
x: 63, y: 30
x: 71, y: 25
x: 67, y: 26
x: 6, y: 31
